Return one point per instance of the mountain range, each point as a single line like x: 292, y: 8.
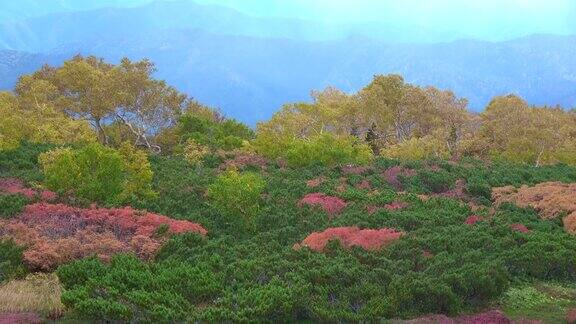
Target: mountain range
x: 249, y: 66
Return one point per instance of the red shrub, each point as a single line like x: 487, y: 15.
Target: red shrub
x: 20, y: 318
x: 16, y: 186
x: 241, y: 160
x: 471, y: 220
x: 571, y: 316
x: 395, y: 205
x: 392, y: 176
x: 427, y: 254
x: 368, y: 239
x: 57, y: 234
x: 331, y: 205
x: 371, y: 209
x: 351, y: 169
x: 520, y: 228
x: 364, y: 185
x: 458, y: 192
x: 491, y: 317
x: 315, y: 182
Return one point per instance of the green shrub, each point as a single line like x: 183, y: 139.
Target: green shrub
x: 129, y: 289
x: 327, y: 150
x: 11, y: 205
x: 441, y: 265
x: 193, y: 152
x: 237, y: 195
x: 22, y: 162
x: 228, y: 134
x: 477, y: 187
x: 98, y: 173
x: 11, y: 265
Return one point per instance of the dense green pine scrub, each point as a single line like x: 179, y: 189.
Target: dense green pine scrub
x: 441, y: 265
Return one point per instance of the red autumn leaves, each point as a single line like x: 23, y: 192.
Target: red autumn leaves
x: 13, y: 186
x: 473, y: 219
x: 331, y: 205
x: 57, y: 234
x: 368, y: 239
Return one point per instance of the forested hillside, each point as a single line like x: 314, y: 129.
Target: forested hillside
x: 124, y: 200
x: 249, y: 66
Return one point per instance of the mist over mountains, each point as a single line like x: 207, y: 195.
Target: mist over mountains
x: 249, y: 66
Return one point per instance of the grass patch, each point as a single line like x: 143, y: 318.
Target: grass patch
x: 547, y: 302
x: 37, y: 293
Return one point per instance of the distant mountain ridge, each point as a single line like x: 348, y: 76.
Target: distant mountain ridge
x: 40, y: 34
x: 250, y: 76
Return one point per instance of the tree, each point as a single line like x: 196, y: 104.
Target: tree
x: 397, y: 110
x: 88, y: 88
x: 33, y: 118
x: 512, y: 130
x: 145, y: 105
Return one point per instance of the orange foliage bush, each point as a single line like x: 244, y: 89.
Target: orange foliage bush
x: 241, y: 160
x: 550, y: 199
x: 570, y: 223
x: 368, y: 239
x: 57, y: 234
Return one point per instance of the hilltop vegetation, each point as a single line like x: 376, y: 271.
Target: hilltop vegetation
x: 394, y: 202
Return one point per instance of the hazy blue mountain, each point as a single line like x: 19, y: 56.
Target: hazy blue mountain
x: 250, y: 78
x: 20, y: 9
x: 250, y: 66
x: 40, y: 34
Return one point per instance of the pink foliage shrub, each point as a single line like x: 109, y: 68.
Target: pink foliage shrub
x: 241, y: 160
x: 520, y: 228
x: 313, y: 183
x: 571, y: 316
x: 20, y: 318
x: 16, y: 186
x: 392, y: 176
x: 492, y: 317
x: 458, y: 192
x: 56, y: 234
x: 471, y: 220
x: 331, y: 205
x: 368, y: 239
x: 371, y: 209
x: 351, y: 169
x: 364, y: 185
x: 395, y: 205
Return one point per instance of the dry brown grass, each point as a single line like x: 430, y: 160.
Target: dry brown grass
x: 550, y: 199
x: 37, y: 293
